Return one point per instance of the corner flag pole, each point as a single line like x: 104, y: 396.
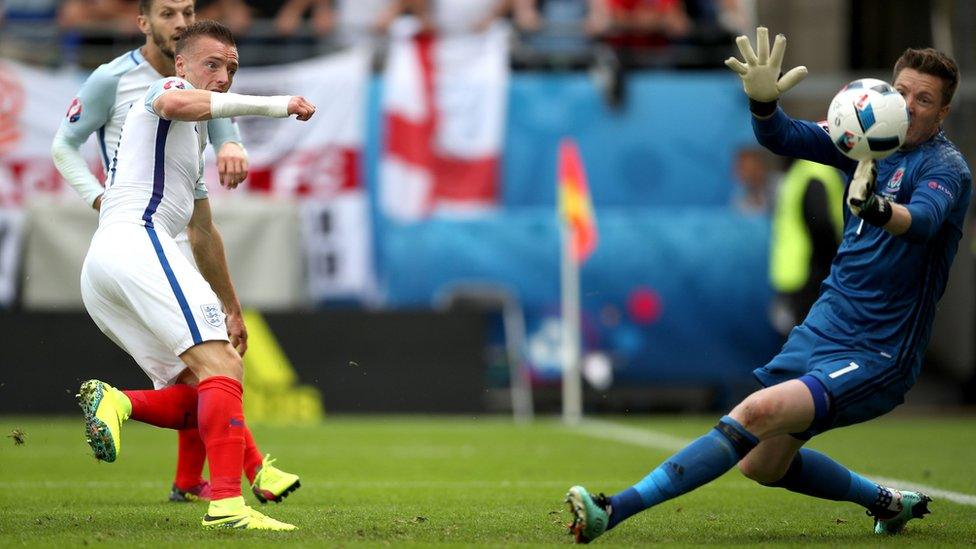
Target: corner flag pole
x: 569, y: 277
x: 577, y: 235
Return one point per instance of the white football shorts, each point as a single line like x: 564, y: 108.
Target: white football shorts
x: 147, y: 297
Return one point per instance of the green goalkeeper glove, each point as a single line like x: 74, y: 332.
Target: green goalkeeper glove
x: 760, y: 73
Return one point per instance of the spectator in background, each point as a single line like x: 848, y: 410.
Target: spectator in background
x: 114, y: 15
x: 236, y: 14
x: 561, y: 17
x: 458, y: 16
x: 756, y: 184
x: 28, y: 10
x: 239, y: 15
x: 714, y: 18
x: 637, y: 25
x: 807, y: 227
x: 637, y: 33
x: 27, y: 29
x: 351, y: 22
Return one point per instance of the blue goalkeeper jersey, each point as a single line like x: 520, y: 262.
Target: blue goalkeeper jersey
x: 882, y: 289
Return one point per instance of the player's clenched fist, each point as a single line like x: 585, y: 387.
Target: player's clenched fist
x: 302, y: 108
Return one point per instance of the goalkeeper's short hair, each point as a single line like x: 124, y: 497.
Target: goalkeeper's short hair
x: 932, y: 62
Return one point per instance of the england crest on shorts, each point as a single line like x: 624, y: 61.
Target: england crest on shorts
x: 212, y: 314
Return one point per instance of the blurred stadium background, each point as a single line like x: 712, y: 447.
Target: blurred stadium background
x: 401, y: 252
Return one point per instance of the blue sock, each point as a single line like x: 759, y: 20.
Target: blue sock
x: 702, y: 461
x: 814, y: 474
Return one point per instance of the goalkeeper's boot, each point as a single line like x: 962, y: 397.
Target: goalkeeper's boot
x: 913, y: 505
x: 200, y: 492
x: 233, y: 513
x: 590, y: 514
x: 273, y: 484
x: 105, y: 408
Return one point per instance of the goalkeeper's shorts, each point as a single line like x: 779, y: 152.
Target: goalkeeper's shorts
x: 860, y: 384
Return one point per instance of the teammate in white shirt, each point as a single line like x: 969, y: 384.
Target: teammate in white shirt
x: 148, y: 298
x: 100, y: 107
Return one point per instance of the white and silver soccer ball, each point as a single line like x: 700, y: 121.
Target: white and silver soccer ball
x: 867, y: 119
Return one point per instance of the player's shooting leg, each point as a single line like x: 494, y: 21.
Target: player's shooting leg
x: 220, y: 413
x: 213, y: 358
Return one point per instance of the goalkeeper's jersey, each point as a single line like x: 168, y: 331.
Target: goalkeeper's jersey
x: 882, y: 289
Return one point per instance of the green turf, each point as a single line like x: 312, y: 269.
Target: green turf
x: 463, y: 482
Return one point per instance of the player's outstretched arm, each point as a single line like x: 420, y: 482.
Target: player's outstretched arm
x: 208, y: 251
x: 196, y: 105
x: 759, y: 70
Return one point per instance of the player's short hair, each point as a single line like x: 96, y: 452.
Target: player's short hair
x: 933, y: 62
x: 207, y: 27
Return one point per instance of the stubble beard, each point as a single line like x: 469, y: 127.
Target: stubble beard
x: 160, y: 42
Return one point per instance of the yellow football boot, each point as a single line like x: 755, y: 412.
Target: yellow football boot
x: 105, y: 408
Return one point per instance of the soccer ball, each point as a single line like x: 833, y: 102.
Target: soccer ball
x: 867, y: 119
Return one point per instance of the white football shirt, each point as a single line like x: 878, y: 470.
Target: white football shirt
x: 158, y: 169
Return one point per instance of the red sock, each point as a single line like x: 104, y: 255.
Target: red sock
x: 173, y: 407
x: 221, y: 422
x: 191, y: 453
x: 252, y: 456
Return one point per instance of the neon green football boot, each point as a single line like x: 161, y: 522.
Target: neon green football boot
x: 105, y: 409
x: 914, y: 505
x: 273, y: 484
x: 590, y: 515
x: 233, y: 513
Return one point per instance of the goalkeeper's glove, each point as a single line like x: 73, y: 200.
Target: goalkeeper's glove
x: 861, y: 199
x: 760, y: 73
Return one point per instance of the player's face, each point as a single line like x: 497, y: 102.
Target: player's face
x: 165, y: 21
x: 208, y: 64
x: 923, y: 95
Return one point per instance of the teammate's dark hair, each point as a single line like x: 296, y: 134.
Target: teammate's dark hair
x: 145, y: 6
x: 933, y: 62
x: 207, y: 27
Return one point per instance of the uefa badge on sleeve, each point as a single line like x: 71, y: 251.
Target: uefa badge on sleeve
x: 74, y: 111
x: 212, y: 314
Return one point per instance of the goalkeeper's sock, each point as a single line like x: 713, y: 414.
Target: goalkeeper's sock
x: 699, y: 463
x: 252, y: 456
x: 221, y: 422
x: 191, y: 454
x: 814, y: 474
x: 173, y: 407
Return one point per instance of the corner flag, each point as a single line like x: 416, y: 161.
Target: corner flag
x: 575, y: 206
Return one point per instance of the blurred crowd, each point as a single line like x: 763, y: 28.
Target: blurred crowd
x: 630, y: 27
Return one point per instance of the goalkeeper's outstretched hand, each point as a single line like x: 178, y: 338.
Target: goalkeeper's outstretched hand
x: 861, y: 199
x: 760, y: 73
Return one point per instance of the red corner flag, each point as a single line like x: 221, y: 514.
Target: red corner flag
x: 575, y: 207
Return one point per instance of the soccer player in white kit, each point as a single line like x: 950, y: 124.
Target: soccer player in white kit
x: 147, y: 297
x: 100, y: 107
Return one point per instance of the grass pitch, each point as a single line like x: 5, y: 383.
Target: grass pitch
x: 406, y: 481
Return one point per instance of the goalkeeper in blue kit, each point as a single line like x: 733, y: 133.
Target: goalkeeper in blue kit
x: 862, y: 345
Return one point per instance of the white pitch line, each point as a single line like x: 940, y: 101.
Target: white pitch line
x: 661, y: 441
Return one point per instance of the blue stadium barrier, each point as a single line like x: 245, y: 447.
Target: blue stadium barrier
x: 677, y: 289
